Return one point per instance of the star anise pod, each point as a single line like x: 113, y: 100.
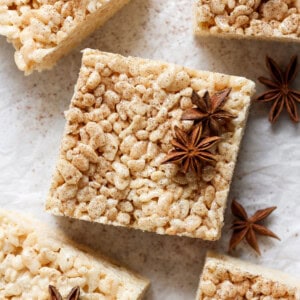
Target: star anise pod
x: 209, y: 111
x: 245, y: 227
x: 191, y: 150
x: 55, y: 294
x: 280, y: 92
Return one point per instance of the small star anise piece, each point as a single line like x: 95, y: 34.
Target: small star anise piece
x: 191, y: 150
x: 245, y: 227
x: 55, y: 294
x: 280, y: 92
x: 209, y: 111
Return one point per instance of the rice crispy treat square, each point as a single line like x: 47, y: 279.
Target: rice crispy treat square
x: 119, y: 129
x: 42, y: 31
x: 266, y: 20
x: 227, y: 278
x: 33, y: 257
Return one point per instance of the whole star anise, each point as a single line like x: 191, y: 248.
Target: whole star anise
x: 280, y: 92
x: 191, y: 150
x: 209, y: 111
x: 55, y: 294
x: 245, y: 227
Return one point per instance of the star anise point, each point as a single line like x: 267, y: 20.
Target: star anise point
x: 192, y: 150
x: 55, y: 294
x: 280, y: 92
x: 209, y: 111
x: 245, y: 227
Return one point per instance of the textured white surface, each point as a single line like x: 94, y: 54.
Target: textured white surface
x: 268, y: 170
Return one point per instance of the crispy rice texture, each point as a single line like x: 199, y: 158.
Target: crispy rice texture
x: 273, y: 19
x: 226, y: 278
x: 32, y: 257
x: 119, y: 129
x: 42, y: 31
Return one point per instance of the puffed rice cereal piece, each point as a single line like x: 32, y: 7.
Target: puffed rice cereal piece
x: 110, y: 169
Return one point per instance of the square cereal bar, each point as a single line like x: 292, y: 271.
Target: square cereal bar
x: 42, y: 31
x: 32, y: 258
x: 119, y: 130
x: 227, y: 278
x: 273, y: 19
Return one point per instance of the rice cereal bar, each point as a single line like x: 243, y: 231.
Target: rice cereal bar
x: 227, y: 278
x: 42, y: 31
x: 119, y: 130
x: 270, y: 19
x: 33, y: 258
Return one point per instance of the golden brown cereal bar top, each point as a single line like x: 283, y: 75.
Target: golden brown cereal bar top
x: 42, y: 31
x: 120, y: 125
x: 226, y: 278
x: 33, y: 257
x: 271, y: 19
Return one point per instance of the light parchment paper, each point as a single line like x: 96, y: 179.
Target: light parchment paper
x: 267, y: 173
